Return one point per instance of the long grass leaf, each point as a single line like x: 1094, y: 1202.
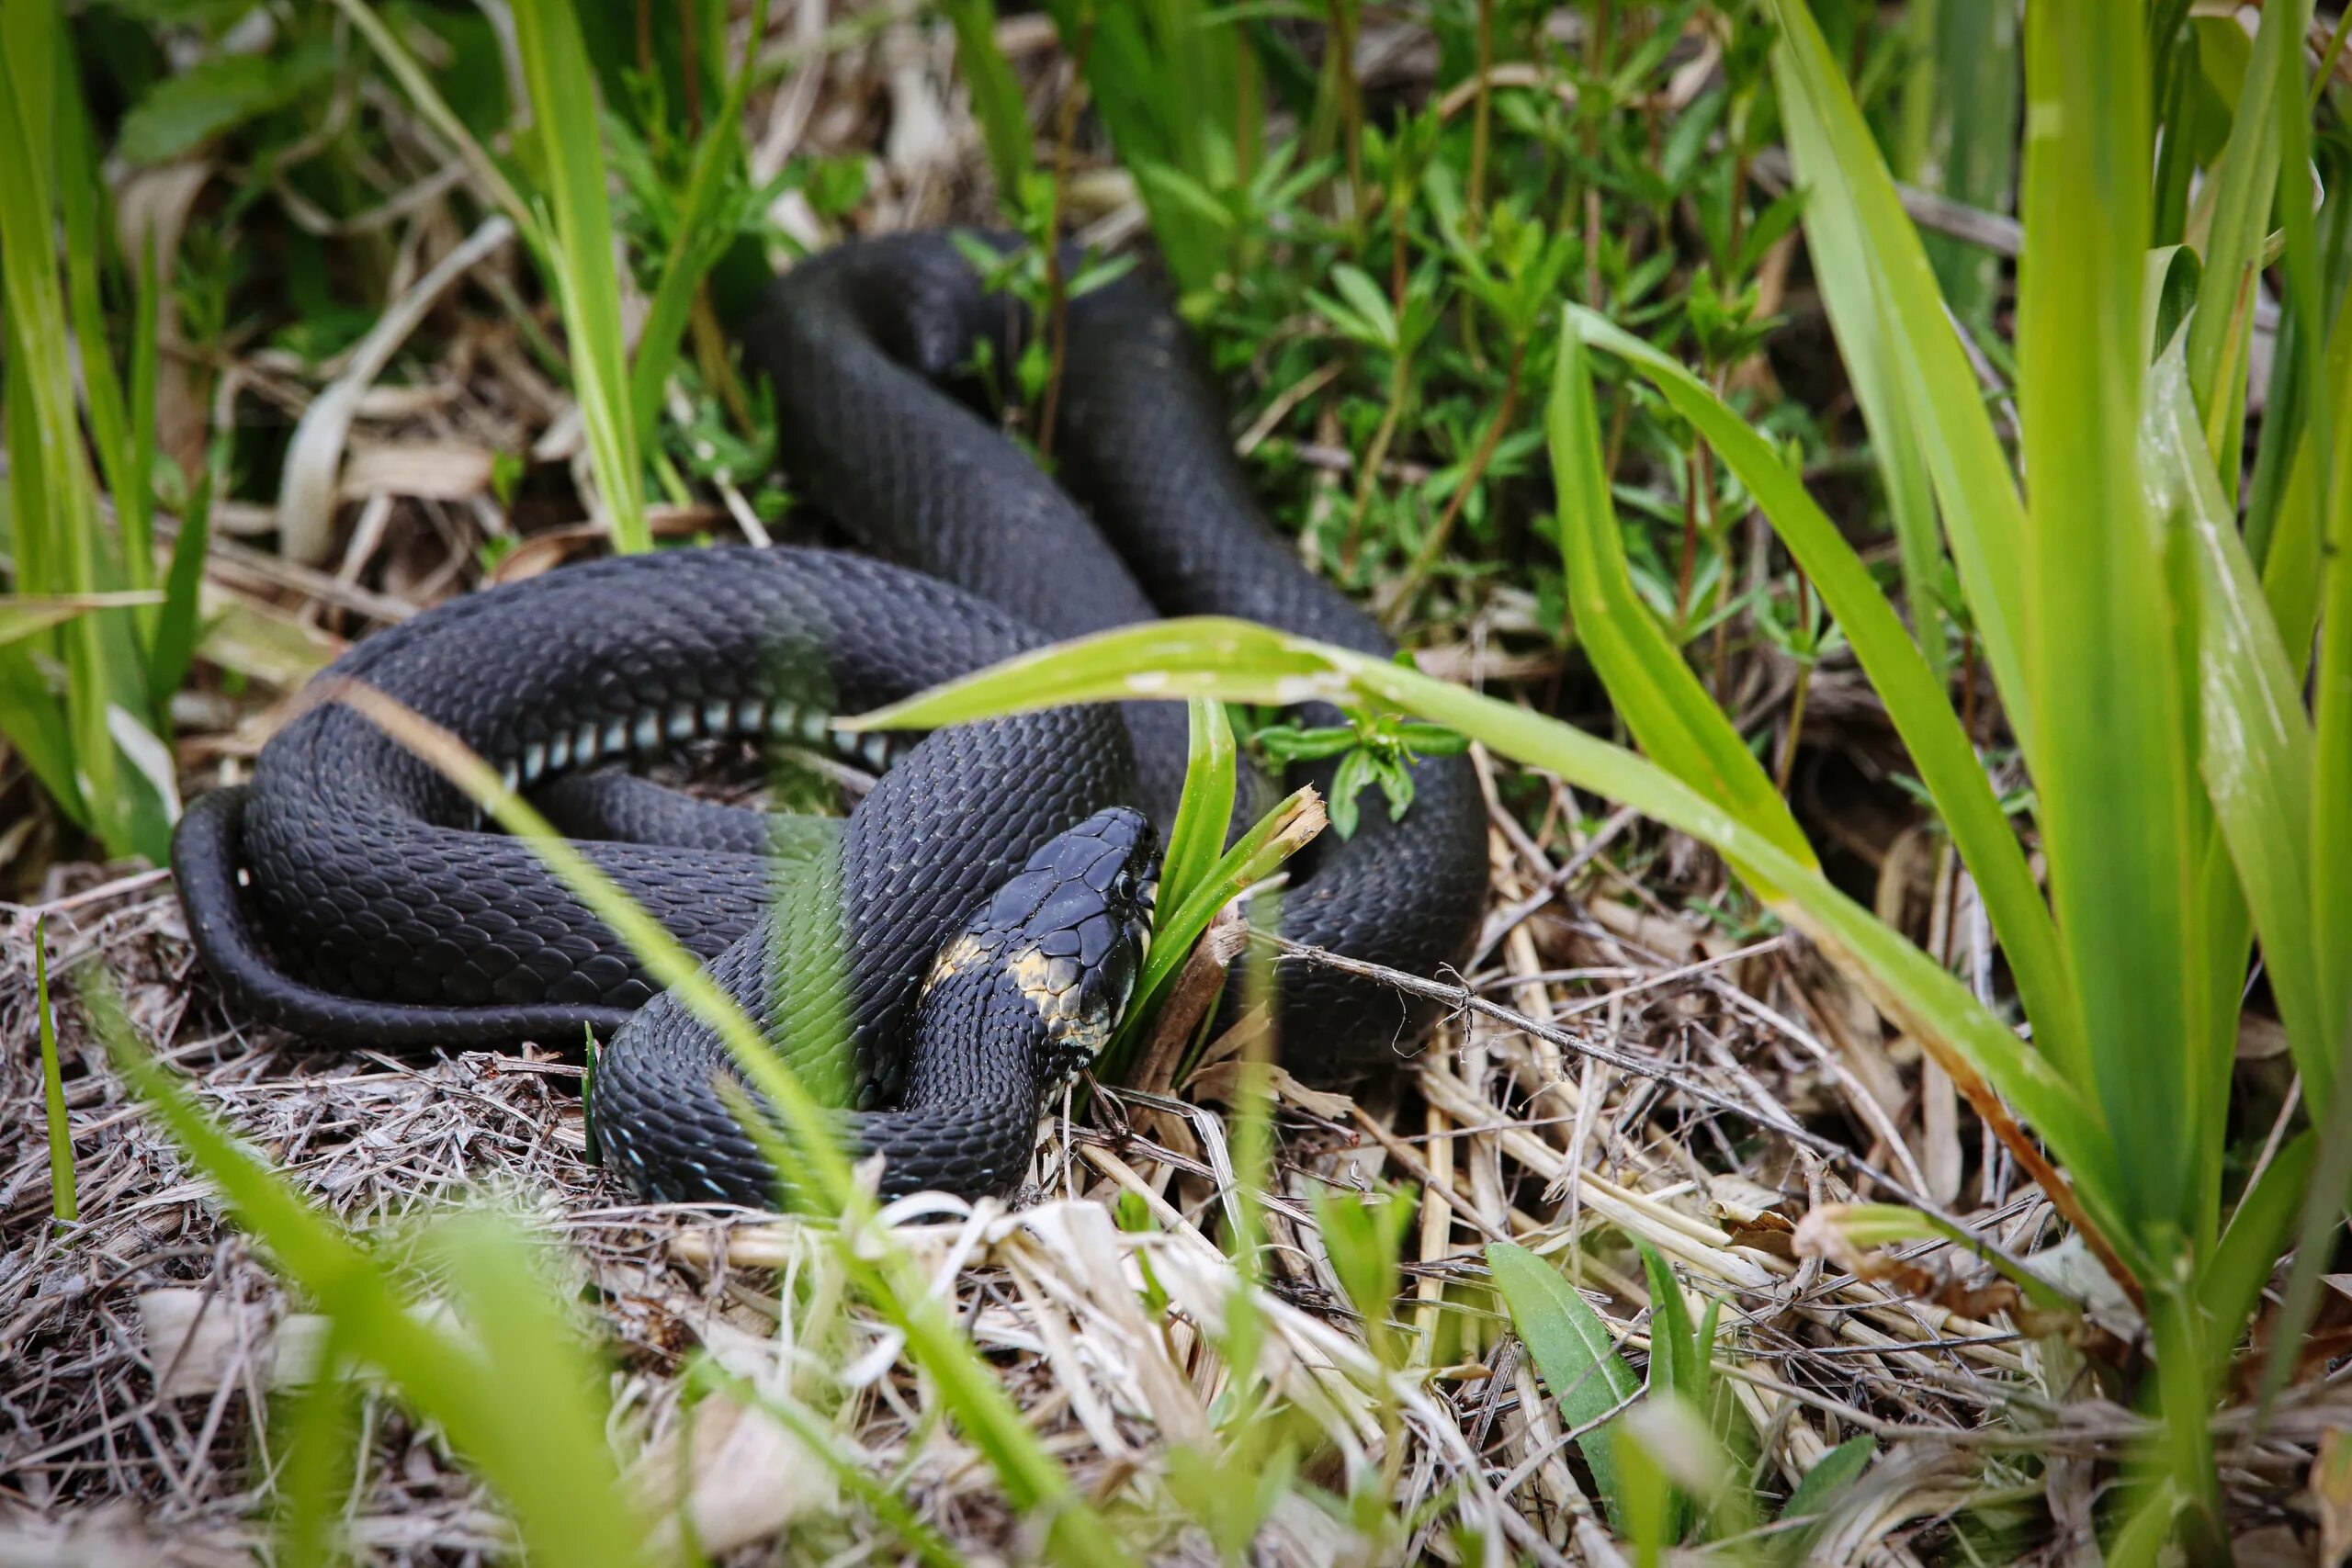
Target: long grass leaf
x: 1852, y: 198
x: 2242, y: 184
x: 695, y: 247
x: 2255, y: 745
x: 1031, y: 1477
x: 995, y: 94
x: 59, y: 548
x: 1204, y: 811
x: 2105, y: 652
x: 1851, y: 292
x: 445, y: 121
x: 63, y: 1204
x: 1913, y: 692
x: 1669, y: 712
x: 1237, y: 661
x: 568, y: 135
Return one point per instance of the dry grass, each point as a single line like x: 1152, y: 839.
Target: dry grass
x: 139, y: 1347
x: 142, y: 1343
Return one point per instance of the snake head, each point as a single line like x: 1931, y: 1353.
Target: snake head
x: 1074, y: 925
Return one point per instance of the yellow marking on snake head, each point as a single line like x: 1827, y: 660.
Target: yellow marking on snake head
x: 954, y: 959
x: 1053, y: 986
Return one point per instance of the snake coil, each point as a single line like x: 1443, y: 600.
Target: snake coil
x: 967, y: 934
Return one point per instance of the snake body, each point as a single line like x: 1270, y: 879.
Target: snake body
x: 966, y: 936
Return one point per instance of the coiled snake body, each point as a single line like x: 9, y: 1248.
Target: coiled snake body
x: 975, y: 921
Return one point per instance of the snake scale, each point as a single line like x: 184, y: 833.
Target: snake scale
x: 975, y: 922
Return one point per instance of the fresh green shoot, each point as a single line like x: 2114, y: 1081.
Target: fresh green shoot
x: 64, y: 1205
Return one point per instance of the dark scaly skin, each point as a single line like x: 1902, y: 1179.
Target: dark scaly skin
x: 858, y: 345
x: 385, y: 916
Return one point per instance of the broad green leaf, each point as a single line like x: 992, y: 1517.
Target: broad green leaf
x: 1573, y: 1351
x: 2107, y: 657
x: 1914, y: 695
x: 1668, y: 709
x: 1851, y: 197
x: 1238, y: 661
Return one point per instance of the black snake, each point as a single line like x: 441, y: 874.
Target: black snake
x: 975, y: 923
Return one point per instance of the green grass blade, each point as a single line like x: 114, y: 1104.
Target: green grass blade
x: 666, y: 961
x: 1663, y: 703
x: 549, y: 1401
x: 2257, y: 746
x: 1676, y: 1369
x: 64, y: 1205
x: 1166, y: 78
x: 1237, y: 661
x: 1851, y: 193
x: 172, y: 649
x: 1979, y: 80
x: 110, y: 429
x: 2108, y: 671
x: 569, y: 138
x: 698, y: 245
x: 1851, y: 293
x: 2294, y: 574
x: 24, y: 615
x: 1913, y: 692
x: 996, y: 96
x: 436, y: 112
x: 2243, y: 182
x: 1204, y: 811
x: 1180, y: 924
x: 2322, y: 1215
x: 318, y: 1429
x: 1574, y: 1352
x: 57, y: 539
